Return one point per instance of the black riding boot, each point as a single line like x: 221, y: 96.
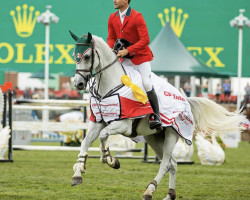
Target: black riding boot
x: 154, y: 119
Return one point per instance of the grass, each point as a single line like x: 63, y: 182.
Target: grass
x: 47, y: 175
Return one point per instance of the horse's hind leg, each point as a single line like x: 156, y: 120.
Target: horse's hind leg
x: 172, y: 176
x: 116, y: 127
x: 169, y: 143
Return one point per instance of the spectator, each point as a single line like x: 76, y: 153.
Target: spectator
x: 230, y: 89
x: 226, y: 90
x: 17, y: 93
x: 41, y: 93
x: 205, y: 90
x: 187, y: 88
x: 28, y: 93
x: 38, y: 94
x: 217, y: 93
x: 247, y: 89
x: 51, y: 93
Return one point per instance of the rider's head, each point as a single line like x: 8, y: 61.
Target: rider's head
x: 121, y: 4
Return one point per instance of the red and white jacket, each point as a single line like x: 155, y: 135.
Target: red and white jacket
x: 133, y: 29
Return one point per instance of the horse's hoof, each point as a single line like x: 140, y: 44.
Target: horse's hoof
x: 167, y: 198
x: 77, y: 180
x: 113, y: 162
x: 117, y: 164
x: 172, y: 194
x: 147, y: 197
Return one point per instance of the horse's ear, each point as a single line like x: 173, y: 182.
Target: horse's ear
x: 74, y: 36
x: 89, y: 37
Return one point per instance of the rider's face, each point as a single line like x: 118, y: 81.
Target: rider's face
x: 120, y: 4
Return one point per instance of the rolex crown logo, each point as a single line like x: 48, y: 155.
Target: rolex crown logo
x: 24, y: 23
x: 177, y: 21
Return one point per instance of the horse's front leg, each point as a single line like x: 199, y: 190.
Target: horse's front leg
x: 80, y: 166
x: 170, y: 140
x: 123, y: 127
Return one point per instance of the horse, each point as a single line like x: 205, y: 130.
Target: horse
x: 98, y: 66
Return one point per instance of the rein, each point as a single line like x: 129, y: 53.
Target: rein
x: 96, y: 95
x: 92, y: 64
x: 109, y: 65
x: 90, y: 70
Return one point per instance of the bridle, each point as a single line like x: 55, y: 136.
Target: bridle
x: 86, y: 78
x: 93, y: 87
x: 90, y: 70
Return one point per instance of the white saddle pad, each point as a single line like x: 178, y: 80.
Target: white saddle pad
x: 121, y: 104
x: 175, y: 110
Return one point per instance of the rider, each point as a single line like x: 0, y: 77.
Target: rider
x: 129, y: 24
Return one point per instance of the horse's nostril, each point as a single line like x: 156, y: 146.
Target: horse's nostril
x: 80, y: 84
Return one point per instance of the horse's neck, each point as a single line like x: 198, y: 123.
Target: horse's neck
x: 110, y: 77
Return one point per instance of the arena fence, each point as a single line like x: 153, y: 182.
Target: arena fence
x: 62, y: 126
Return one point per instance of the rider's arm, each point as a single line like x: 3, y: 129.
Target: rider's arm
x: 111, y: 33
x: 143, y: 34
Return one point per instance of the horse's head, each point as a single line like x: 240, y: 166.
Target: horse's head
x: 84, y: 54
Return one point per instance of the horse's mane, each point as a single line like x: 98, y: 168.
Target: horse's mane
x: 110, y: 76
x: 103, y: 46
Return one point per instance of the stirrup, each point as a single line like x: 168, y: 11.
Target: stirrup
x: 154, y: 122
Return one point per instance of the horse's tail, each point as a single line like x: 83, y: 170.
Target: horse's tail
x: 211, y: 117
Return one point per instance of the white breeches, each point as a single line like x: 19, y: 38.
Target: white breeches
x: 145, y: 70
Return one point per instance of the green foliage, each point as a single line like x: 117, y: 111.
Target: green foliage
x: 42, y: 175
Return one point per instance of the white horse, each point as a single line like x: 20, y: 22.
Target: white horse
x: 94, y: 55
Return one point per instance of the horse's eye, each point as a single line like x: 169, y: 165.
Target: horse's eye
x: 86, y: 57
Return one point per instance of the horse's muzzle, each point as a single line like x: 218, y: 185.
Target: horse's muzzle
x: 80, y: 86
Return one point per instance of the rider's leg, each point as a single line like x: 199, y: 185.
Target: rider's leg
x: 145, y: 71
x: 156, y: 121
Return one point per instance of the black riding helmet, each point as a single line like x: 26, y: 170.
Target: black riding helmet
x: 121, y: 44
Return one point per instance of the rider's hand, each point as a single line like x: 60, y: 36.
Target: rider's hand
x: 122, y: 53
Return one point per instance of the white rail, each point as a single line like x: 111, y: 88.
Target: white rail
x: 48, y: 126
x: 27, y: 107
x: 65, y: 148
x: 52, y: 102
x: 31, y: 104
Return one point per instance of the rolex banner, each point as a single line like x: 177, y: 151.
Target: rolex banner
x: 201, y: 25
